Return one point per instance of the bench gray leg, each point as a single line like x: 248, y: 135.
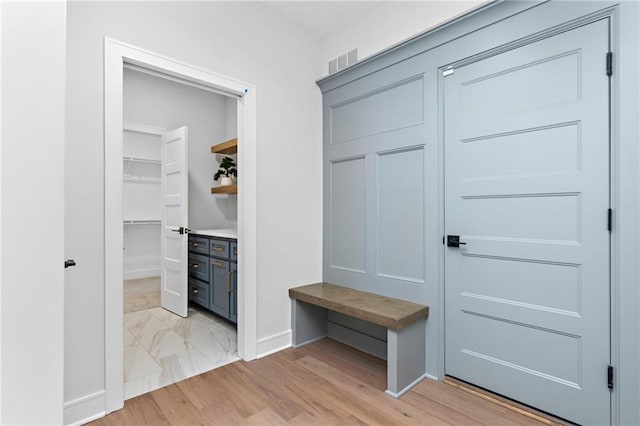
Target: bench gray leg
x: 405, y: 358
x: 309, y: 323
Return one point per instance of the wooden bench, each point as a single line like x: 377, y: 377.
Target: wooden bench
x: 405, y: 323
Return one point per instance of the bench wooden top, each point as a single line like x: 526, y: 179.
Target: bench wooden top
x: 385, y: 311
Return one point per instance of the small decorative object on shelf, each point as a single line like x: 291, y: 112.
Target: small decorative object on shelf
x: 226, y: 169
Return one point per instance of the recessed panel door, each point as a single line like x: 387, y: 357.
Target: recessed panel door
x: 527, y: 195
x: 174, y: 272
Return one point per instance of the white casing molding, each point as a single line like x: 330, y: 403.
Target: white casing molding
x: 117, y: 54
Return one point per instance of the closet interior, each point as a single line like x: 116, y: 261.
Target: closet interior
x: 161, y: 347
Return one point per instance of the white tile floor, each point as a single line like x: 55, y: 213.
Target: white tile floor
x: 161, y: 348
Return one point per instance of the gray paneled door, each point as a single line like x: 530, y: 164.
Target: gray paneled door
x: 527, y: 190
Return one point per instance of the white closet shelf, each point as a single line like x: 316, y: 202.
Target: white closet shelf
x: 140, y: 179
x: 141, y: 160
x: 141, y: 221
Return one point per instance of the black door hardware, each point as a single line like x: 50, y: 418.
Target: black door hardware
x: 69, y: 262
x: 454, y: 241
x: 181, y: 230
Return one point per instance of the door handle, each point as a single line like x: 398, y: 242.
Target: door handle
x: 69, y: 262
x: 454, y: 241
x: 183, y: 230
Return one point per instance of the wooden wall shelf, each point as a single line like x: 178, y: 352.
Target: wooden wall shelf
x: 231, y: 189
x: 228, y: 147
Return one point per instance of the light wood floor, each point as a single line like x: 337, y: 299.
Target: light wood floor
x: 323, y: 383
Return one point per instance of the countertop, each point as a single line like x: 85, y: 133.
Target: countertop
x: 222, y: 232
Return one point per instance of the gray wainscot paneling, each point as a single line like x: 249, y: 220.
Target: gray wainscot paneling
x: 383, y: 158
x: 348, y: 214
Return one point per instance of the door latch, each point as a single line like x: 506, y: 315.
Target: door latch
x: 181, y: 230
x: 454, y: 241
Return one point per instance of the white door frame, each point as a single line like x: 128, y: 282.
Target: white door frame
x: 116, y: 55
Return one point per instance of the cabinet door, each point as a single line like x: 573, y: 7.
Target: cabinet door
x: 233, y: 295
x: 220, y: 287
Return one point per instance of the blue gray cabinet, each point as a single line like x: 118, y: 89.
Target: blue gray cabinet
x: 233, y: 295
x: 234, y: 252
x: 199, y: 266
x: 213, y: 274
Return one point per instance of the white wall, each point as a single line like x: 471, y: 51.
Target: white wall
x: 241, y: 40
x: 32, y: 247
x: 232, y: 119
x: 390, y: 23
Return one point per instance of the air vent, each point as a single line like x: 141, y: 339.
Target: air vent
x: 343, y: 61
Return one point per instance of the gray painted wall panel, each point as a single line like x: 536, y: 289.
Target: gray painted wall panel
x: 389, y: 108
x: 348, y: 217
x: 495, y: 27
x: 357, y: 324
x: 400, y: 224
x: 358, y: 340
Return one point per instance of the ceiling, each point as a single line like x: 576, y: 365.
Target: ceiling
x: 321, y: 18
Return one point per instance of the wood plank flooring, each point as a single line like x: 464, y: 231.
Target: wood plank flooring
x: 324, y: 383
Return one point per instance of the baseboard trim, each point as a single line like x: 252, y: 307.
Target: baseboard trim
x: 432, y: 377
x: 85, y: 409
x: 272, y: 344
x: 299, y: 345
x: 407, y: 389
x: 142, y: 273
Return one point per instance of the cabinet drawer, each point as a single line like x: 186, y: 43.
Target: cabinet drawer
x: 199, y: 292
x: 220, y: 248
x: 234, y: 251
x: 199, y: 266
x: 199, y: 245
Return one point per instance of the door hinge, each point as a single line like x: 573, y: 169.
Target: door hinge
x: 610, y: 377
x: 609, y: 63
x: 610, y: 220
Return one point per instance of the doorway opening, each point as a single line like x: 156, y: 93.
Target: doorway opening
x: 164, y: 342
x: 238, y: 97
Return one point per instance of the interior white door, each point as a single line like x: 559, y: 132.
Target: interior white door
x: 527, y: 191
x: 174, y: 296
